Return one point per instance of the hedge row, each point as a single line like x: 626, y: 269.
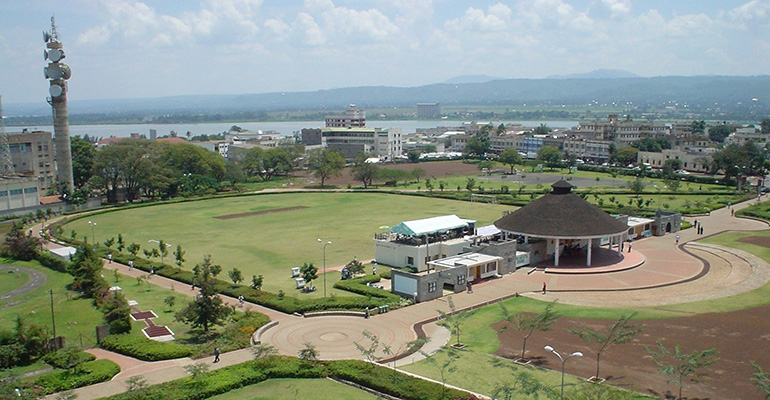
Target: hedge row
x: 144, y: 349
x: 230, y: 378
x: 89, y: 373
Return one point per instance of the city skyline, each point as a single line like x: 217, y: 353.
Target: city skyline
x: 134, y: 49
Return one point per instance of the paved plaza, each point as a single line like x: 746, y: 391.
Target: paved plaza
x: 669, y: 274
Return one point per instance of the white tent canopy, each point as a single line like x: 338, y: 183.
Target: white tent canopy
x: 428, y: 226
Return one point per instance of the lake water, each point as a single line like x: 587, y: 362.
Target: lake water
x: 286, y: 128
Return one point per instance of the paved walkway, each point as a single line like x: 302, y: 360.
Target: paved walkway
x: 670, y: 274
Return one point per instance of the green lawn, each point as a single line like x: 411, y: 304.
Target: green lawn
x: 75, y: 316
x: 271, y: 243
x: 151, y: 297
x: 10, y: 280
x: 299, y: 389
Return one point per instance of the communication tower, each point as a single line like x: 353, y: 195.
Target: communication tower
x: 57, y: 74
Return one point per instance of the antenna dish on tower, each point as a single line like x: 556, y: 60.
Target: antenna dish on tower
x: 55, y: 90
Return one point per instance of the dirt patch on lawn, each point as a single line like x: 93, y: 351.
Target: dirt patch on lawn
x: 757, y: 240
x: 248, y: 214
x: 739, y: 336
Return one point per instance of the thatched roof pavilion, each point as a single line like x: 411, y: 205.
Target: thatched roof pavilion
x: 562, y: 214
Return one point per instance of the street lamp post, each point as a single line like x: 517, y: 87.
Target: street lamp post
x: 93, y: 235
x: 324, y: 248
x: 563, y: 361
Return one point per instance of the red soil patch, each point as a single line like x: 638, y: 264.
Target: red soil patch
x: 757, y: 240
x: 247, y: 214
x: 155, y: 331
x: 739, y: 336
x: 143, y: 315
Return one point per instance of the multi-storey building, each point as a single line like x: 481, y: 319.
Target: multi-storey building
x: 353, y: 118
x: 693, y: 162
x: 588, y: 149
x: 32, y: 154
x: 351, y: 141
x: 428, y: 110
x: 623, y: 133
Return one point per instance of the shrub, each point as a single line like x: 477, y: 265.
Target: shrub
x: 67, y: 357
x: 92, y: 372
x: 144, y: 349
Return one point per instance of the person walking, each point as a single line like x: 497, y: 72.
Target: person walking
x: 109, y: 258
x: 130, y: 265
x: 240, y: 301
x: 677, y: 239
x: 216, y: 354
x: 366, y: 313
x: 544, y: 287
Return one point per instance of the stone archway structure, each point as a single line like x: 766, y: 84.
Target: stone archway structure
x: 564, y: 218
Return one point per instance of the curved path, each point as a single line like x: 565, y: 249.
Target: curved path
x: 671, y: 274
x: 35, y: 279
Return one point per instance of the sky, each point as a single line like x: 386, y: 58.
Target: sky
x: 137, y: 49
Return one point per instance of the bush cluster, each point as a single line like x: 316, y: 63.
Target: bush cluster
x: 89, y: 373
x: 67, y: 357
x: 144, y: 349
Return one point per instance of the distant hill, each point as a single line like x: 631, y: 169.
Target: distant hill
x: 471, y: 79
x: 705, y: 91
x: 598, y: 74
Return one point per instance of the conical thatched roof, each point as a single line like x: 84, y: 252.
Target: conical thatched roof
x: 561, y: 214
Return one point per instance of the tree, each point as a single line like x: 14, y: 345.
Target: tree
x: 760, y: 377
x: 208, y: 308
x: 486, y: 164
x: 267, y: 163
x: 698, y: 127
x: 682, y: 365
x: 549, y: 155
x: 263, y: 350
x: 82, y: 160
x: 470, y: 184
x: 526, y: 326
x: 454, y: 320
x: 719, y: 133
x: 121, y: 243
x: 355, y: 267
x: 308, y: 353
x: 734, y: 160
x: 369, y: 351
x: 133, y: 248
x: 325, y: 163
x: 308, y: 272
x: 619, y: 332
x: 765, y: 125
x: 479, y: 144
x: 364, y: 171
x: 625, y: 155
x: 670, y: 168
x: 170, y: 301
x: 257, y: 281
x: 543, y: 129
x: 510, y: 157
x: 413, y: 156
x: 179, y: 256
x: 652, y: 144
x: 523, y: 383
x: 235, y: 275
x: 444, y: 367
x: 417, y: 173
x: 637, y: 185
x: 392, y: 176
x: 162, y: 250
x: 20, y: 244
